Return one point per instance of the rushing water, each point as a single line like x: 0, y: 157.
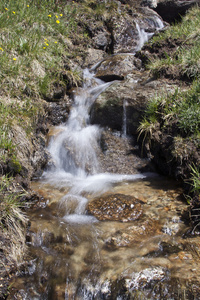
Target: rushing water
x: 75, y: 256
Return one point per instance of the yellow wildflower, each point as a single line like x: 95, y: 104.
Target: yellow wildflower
x: 27, y: 5
x: 46, y: 44
x: 6, y: 8
x: 57, y: 21
x: 49, y: 16
x: 61, y: 15
x: 13, y: 12
x: 56, y: 16
x: 1, y: 49
x: 56, y: 42
x: 14, y: 58
x: 44, y: 47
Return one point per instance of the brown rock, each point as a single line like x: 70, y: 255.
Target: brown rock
x: 115, y: 207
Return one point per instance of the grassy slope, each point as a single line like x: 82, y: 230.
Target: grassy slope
x: 178, y: 114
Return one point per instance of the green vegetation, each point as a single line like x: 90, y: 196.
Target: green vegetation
x: 34, y: 45
x: 183, y: 107
x: 178, y: 113
x: 186, y: 56
x: 12, y: 220
x: 195, y: 178
x: 38, y: 40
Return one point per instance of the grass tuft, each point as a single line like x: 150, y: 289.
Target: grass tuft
x: 13, y: 220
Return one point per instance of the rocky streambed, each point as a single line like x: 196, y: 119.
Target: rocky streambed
x: 137, y: 247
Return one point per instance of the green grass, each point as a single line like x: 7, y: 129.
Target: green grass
x: 182, y: 106
x: 34, y: 60
x: 12, y: 220
x: 178, y: 113
x: 33, y: 43
x: 186, y: 58
x: 195, y: 179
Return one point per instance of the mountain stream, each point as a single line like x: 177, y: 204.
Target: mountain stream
x: 100, y: 235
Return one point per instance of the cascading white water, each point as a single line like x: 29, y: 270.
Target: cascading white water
x: 143, y: 36
x: 74, y: 148
x: 73, y: 151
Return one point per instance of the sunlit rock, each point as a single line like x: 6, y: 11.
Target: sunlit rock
x: 115, y: 207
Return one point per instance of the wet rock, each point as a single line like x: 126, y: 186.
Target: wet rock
x: 102, y: 290
x: 93, y: 57
x: 133, y: 234
x: 57, y: 112
x: 100, y: 35
x: 120, y: 154
x: 127, y: 98
x: 116, y: 207
x: 102, y: 40
x: 117, y: 67
x: 126, y: 29
x: 145, y: 278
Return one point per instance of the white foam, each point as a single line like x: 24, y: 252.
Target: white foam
x: 80, y: 219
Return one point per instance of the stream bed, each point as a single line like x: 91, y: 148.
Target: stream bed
x: 75, y: 256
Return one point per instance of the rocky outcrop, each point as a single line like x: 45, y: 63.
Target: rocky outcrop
x: 131, y: 30
x: 126, y: 100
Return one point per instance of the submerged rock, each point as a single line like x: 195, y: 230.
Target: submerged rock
x: 116, y: 207
x: 133, y: 234
x: 145, y: 278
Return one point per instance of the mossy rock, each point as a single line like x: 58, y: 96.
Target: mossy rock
x: 14, y: 166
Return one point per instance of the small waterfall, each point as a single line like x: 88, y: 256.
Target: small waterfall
x: 73, y: 150
x: 124, y: 124
x: 74, y: 153
x: 143, y: 36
